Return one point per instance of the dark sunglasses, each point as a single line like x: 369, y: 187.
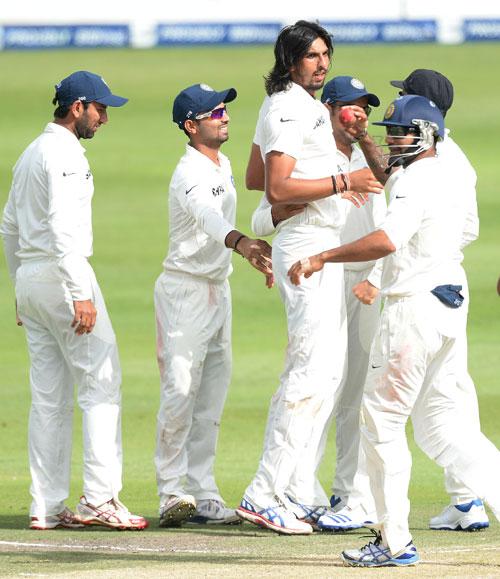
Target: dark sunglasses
x: 215, y: 114
x: 367, y: 108
x: 399, y: 131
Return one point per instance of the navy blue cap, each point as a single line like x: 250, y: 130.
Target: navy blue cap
x: 197, y: 99
x: 86, y: 87
x: 347, y: 89
x: 430, y: 84
x: 403, y: 111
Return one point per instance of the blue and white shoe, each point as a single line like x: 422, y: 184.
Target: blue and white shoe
x: 336, y: 503
x: 307, y: 513
x: 213, y: 512
x: 346, y: 519
x: 275, y: 517
x: 377, y: 554
x: 465, y: 517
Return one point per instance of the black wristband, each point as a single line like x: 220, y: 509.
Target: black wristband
x: 334, y: 183
x: 237, y: 241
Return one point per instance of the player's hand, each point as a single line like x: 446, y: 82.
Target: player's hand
x: 356, y: 123
x: 305, y: 267
x: 85, y: 317
x: 363, y: 181
x: 18, y: 319
x: 365, y: 292
x: 258, y: 253
x: 270, y: 281
x: 283, y: 211
x: 357, y: 199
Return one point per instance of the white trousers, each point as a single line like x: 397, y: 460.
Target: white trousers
x: 313, y: 371
x: 59, y: 359
x: 413, y: 371
x: 362, y: 324
x: 193, y: 318
x: 466, y: 404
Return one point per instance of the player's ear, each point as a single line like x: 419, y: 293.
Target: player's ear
x: 191, y: 127
x: 77, y: 109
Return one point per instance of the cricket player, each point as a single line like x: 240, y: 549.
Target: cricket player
x: 294, y: 136
x: 47, y: 232
x: 193, y: 311
x: 466, y: 511
x: 362, y: 320
x: 413, y: 360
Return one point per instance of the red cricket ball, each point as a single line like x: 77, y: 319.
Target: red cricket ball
x: 347, y: 116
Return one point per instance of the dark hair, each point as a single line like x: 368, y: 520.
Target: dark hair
x: 63, y: 110
x: 291, y: 46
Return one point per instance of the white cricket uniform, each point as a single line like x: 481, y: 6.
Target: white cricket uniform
x: 362, y: 322
x: 193, y: 316
x: 294, y: 123
x: 47, y: 233
x: 414, y: 356
x: 450, y: 154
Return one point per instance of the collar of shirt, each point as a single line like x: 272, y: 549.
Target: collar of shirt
x: 198, y: 157
x: 64, y: 133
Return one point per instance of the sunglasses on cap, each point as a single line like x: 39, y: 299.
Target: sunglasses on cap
x: 215, y: 114
x: 399, y: 131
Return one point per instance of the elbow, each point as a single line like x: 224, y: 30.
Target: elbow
x: 273, y: 195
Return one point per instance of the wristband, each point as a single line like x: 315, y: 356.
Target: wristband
x: 237, y: 241
x: 334, y: 183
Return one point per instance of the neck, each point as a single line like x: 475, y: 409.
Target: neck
x: 70, y: 125
x: 342, y: 144
x: 211, y: 152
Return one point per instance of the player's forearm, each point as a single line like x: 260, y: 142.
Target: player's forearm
x: 291, y: 190
x: 373, y: 246
x: 375, y: 157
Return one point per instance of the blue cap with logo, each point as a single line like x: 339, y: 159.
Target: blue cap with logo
x: 405, y: 110
x: 86, y: 87
x: 197, y: 99
x: 346, y: 89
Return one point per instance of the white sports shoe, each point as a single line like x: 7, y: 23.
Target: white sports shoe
x: 465, y: 517
x: 213, y: 512
x: 177, y: 510
x: 275, y: 517
x: 346, y: 519
x: 64, y: 520
x: 112, y: 514
x: 376, y: 554
x: 337, y: 503
x: 306, y: 513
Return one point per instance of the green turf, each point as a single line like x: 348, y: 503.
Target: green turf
x: 132, y: 160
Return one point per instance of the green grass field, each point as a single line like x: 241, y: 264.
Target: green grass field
x: 132, y: 159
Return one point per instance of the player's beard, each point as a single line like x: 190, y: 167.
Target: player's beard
x: 83, y: 129
x: 316, y: 84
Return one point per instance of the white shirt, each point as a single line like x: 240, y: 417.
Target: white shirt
x: 425, y: 221
x: 48, y: 215
x: 359, y: 221
x: 202, y: 211
x: 465, y: 176
x: 296, y: 124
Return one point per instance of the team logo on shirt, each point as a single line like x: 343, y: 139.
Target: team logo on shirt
x: 319, y: 121
x: 88, y: 174
x: 216, y: 191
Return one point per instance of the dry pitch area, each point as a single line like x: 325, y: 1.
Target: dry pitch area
x: 233, y: 552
